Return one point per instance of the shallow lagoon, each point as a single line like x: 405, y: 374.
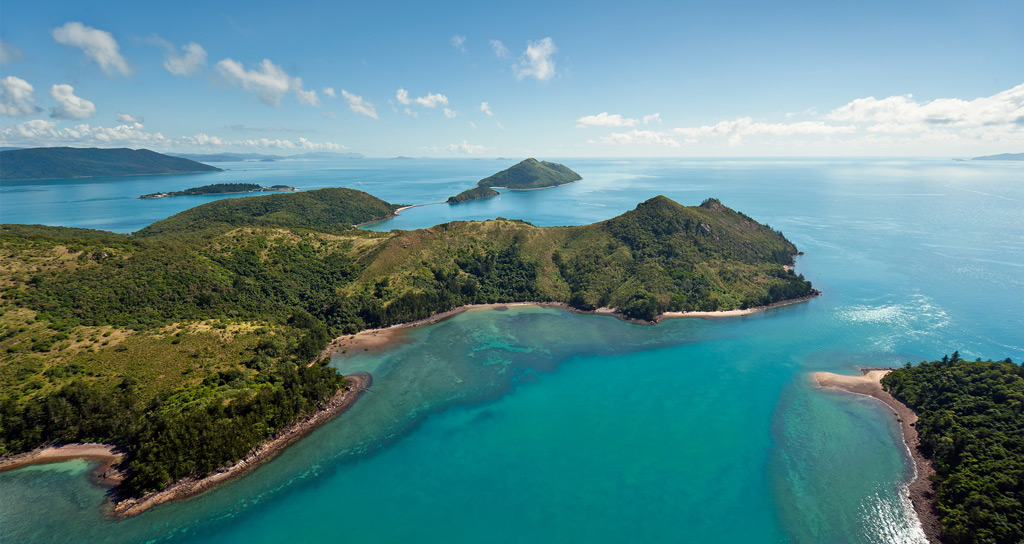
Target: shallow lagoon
x: 538, y: 424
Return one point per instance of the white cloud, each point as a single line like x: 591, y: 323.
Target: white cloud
x: 40, y: 132
x: 499, y: 48
x: 190, y: 62
x: 499, y: 125
x: 16, y: 97
x: 467, y: 148
x: 486, y: 108
x: 329, y: 115
x: 458, y: 42
x: 9, y: 53
x: 267, y: 80
x: 98, y: 45
x: 302, y: 143
x: 70, y: 106
x: 450, y: 113
x: 204, y: 140
x: 402, y: 96
x: 603, y: 119
x: 472, y: 124
x: 411, y: 113
x: 652, y: 118
x: 1003, y: 108
x: 125, y: 118
x: 359, y: 105
x: 431, y: 100
x: 735, y: 130
x: 640, y: 137
x: 536, y: 61
x: 329, y: 91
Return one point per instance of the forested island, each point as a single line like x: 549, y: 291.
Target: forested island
x: 223, y: 189
x: 75, y: 162
x: 528, y: 174
x: 1001, y: 157
x: 188, y: 343
x: 971, y: 425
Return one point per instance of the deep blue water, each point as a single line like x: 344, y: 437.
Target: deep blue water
x: 541, y: 425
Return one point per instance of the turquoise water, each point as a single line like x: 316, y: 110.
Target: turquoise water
x: 538, y: 424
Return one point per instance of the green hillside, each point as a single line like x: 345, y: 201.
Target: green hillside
x: 73, y: 162
x: 528, y: 174
x: 179, y: 342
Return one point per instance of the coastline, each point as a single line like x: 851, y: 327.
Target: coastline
x: 121, y: 508
x: 395, y: 334
x: 109, y: 455
x: 922, y: 495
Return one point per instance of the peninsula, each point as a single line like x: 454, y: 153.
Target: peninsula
x: 1001, y: 157
x: 223, y: 189
x: 528, y: 174
x: 202, y: 335
x: 75, y: 162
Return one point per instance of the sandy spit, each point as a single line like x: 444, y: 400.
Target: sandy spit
x: 922, y: 495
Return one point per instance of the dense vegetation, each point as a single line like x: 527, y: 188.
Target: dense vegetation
x: 221, y: 189
x: 473, y: 194
x: 73, y: 162
x: 323, y: 209
x: 528, y: 174
x: 971, y: 423
x: 201, y: 325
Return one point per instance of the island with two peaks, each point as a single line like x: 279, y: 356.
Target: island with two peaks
x: 528, y: 174
x: 223, y: 189
x: 195, y: 347
x: 75, y: 162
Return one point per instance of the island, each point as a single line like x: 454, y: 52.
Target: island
x: 1001, y: 157
x: 74, y: 162
x: 528, y: 174
x: 184, y: 349
x: 962, y: 423
x: 223, y: 189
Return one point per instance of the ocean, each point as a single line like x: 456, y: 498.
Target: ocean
x: 536, y: 424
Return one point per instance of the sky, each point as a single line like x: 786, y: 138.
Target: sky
x: 488, y: 79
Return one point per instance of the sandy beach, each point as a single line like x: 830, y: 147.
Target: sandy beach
x: 921, y: 492
x: 107, y: 455
x: 376, y: 339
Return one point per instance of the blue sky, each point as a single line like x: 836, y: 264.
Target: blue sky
x: 516, y: 79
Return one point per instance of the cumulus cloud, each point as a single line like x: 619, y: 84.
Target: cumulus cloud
x: 603, y: 119
x: 9, y: 53
x: 652, y: 118
x: 268, y: 80
x: 1006, y: 107
x: 486, y: 108
x: 41, y: 132
x: 431, y: 100
x: 190, y: 62
x: 450, y: 113
x: 329, y: 92
x: 125, y: 118
x: 359, y: 105
x: 536, y: 61
x: 300, y: 144
x: 70, y: 106
x: 640, y: 137
x: 98, y: 45
x: 16, y: 97
x: 458, y: 42
x: 499, y: 48
x: 467, y: 148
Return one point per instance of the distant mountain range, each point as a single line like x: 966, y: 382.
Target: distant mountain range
x: 1001, y: 157
x: 239, y: 157
x: 76, y: 162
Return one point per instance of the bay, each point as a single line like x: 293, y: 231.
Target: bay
x: 538, y: 424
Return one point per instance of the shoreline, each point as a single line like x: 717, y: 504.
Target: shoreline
x: 190, y: 486
x: 110, y: 474
x: 393, y: 335
x: 922, y: 495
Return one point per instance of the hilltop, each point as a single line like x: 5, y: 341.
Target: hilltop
x: 528, y: 174
x: 189, y: 342
x: 75, y: 162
